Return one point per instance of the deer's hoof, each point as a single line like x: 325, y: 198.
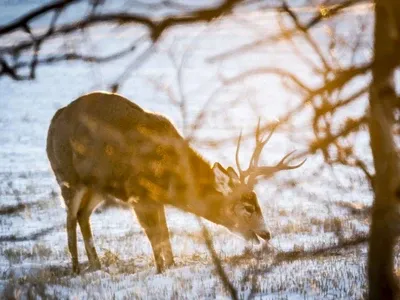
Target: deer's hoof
x: 169, y: 264
x: 76, y: 270
x: 93, y: 267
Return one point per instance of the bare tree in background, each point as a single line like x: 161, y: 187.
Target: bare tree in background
x: 383, y: 105
x: 14, y: 65
x: 330, y: 97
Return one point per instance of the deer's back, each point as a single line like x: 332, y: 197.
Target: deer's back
x: 106, y: 140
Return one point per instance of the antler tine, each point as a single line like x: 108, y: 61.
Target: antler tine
x: 268, y: 171
x: 260, y: 143
x: 285, y: 166
x: 237, y: 155
x: 258, y: 129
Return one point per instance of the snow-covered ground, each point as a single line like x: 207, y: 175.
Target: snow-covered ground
x: 317, y: 212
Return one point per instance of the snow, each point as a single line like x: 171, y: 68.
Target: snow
x: 298, y: 217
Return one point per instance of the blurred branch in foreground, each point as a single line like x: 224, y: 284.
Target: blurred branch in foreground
x: 10, y: 55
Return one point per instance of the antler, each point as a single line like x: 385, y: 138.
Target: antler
x: 254, y: 171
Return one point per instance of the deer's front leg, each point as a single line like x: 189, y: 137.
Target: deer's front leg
x: 152, y: 218
x: 166, y: 243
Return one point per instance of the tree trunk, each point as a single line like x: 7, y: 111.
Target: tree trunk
x: 386, y: 208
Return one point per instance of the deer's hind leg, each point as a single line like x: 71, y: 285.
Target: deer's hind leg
x: 89, y: 202
x: 152, y: 219
x: 73, y: 198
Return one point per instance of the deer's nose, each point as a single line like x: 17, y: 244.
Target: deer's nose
x: 265, y: 235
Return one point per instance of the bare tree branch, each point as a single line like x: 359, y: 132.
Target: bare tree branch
x: 319, y: 17
x: 23, y: 21
x: 217, y: 263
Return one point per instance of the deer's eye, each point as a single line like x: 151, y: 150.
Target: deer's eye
x: 249, y: 208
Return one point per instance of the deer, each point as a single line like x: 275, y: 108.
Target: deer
x: 103, y: 146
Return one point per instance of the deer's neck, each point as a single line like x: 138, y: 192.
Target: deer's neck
x: 194, y: 191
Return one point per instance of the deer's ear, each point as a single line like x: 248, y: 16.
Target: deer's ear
x: 217, y: 167
x: 221, y: 179
x: 232, y: 173
x: 234, y: 177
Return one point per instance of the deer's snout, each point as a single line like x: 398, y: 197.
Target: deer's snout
x: 265, y: 235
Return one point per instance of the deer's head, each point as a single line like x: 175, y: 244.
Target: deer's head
x: 242, y: 213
